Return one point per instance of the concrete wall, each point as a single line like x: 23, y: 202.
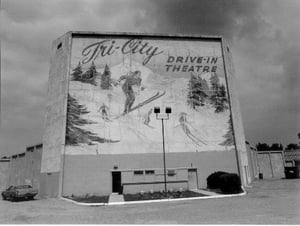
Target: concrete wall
x: 33, y: 166
x: 53, y: 138
x: 17, y: 170
x: 25, y: 168
x: 271, y: 164
x: 146, y: 182
x: 49, y: 184
x: 4, y: 173
x: 253, y: 163
x: 237, y: 122
x: 91, y: 174
x: 55, y: 119
x: 277, y: 161
x: 36, y: 167
x: 11, y: 170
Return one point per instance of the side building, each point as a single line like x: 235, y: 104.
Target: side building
x: 103, y: 132
x: 24, y: 168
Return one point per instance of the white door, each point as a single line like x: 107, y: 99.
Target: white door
x: 192, y: 179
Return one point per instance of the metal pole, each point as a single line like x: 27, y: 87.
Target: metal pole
x: 271, y: 165
x: 164, y: 153
x: 0, y: 72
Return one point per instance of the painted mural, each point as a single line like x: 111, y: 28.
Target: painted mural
x: 114, y: 85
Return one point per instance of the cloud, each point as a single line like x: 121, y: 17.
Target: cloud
x: 264, y: 37
x: 27, y: 31
x: 226, y: 18
x: 35, y: 11
x: 265, y: 49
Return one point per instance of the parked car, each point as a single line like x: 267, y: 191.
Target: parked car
x: 18, y: 192
x: 292, y: 172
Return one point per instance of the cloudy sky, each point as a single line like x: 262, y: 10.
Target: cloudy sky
x: 264, y: 37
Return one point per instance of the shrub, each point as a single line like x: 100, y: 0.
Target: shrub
x: 230, y: 183
x: 213, y: 180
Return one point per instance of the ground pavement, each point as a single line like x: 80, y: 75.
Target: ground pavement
x: 267, y: 202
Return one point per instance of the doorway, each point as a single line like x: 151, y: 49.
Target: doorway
x: 116, y: 182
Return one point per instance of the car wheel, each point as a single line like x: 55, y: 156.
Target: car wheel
x: 30, y: 197
x: 12, y: 198
x: 3, y: 197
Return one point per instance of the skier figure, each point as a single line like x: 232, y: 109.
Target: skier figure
x: 134, y: 78
x: 147, y: 117
x: 103, y: 109
x: 183, y: 122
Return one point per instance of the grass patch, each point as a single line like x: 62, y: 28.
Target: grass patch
x: 161, y: 195
x: 89, y: 199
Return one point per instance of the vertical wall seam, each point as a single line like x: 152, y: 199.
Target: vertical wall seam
x: 67, y: 51
x: 230, y: 106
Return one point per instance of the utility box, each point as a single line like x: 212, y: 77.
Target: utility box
x: 102, y: 121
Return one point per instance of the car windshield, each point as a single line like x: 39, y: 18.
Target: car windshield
x: 22, y: 186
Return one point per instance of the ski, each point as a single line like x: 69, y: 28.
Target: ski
x: 156, y: 96
x: 141, y: 104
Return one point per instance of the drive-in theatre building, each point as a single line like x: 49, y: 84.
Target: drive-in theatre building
x: 128, y: 112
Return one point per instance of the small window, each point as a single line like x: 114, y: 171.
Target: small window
x: 288, y: 163
x: 138, y: 172
x: 149, y: 172
x: 59, y: 45
x: 30, y: 149
x: 21, y: 155
x: 171, y: 173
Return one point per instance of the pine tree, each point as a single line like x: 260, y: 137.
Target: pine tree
x: 191, y: 93
x: 221, y: 99
x: 203, y: 92
x: 106, y: 78
x: 229, y: 140
x: 90, y: 75
x: 77, y: 73
x: 74, y: 134
x: 218, y: 97
x: 197, y: 92
x: 214, y: 81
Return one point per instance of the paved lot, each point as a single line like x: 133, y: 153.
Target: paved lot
x: 267, y: 202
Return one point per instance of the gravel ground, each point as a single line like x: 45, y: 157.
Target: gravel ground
x: 267, y: 202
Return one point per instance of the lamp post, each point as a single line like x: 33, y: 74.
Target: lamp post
x: 163, y: 117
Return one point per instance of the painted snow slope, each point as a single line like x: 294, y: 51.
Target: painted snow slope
x: 131, y: 131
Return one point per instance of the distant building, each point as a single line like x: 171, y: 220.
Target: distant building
x: 102, y: 135
x: 268, y: 163
x: 292, y: 157
x: 25, y: 168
